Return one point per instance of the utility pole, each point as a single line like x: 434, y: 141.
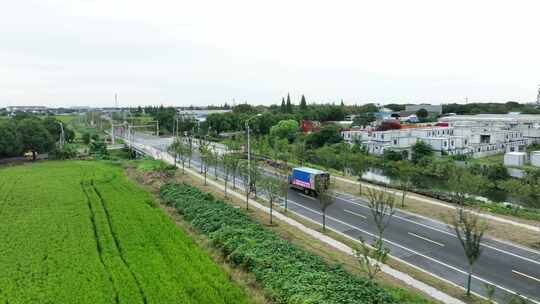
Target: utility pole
x: 62, y: 138
x: 157, y: 127
x: 112, y: 132
x: 538, y: 97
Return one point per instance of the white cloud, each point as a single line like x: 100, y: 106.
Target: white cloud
x: 200, y: 52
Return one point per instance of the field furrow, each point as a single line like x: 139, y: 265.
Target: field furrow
x: 81, y: 232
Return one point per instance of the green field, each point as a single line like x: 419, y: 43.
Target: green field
x: 67, y: 118
x: 81, y: 232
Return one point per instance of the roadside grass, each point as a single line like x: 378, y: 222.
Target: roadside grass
x: 81, y: 232
x: 407, y: 293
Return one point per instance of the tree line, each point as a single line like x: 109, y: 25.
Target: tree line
x: 29, y: 133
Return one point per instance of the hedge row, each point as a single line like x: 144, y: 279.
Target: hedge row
x: 287, y: 273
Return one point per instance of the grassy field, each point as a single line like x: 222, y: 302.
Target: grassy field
x: 67, y: 118
x: 81, y: 232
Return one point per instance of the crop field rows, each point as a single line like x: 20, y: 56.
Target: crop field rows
x: 80, y: 232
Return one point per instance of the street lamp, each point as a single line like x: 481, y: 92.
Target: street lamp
x: 62, y: 138
x: 249, y: 152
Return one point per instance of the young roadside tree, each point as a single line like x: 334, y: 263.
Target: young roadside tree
x: 381, y: 204
x: 183, y: 151
x: 234, y: 163
x: 271, y: 187
x: 179, y: 149
x: 284, y: 189
x: 469, y: 230
x: 322, y: 188
x: 206, y: 159
x: 215, y: 160
x: 463, y: 184
x: 189, y: 150
x: 406, y: 173
x: 371, y: 258
x: 360, y: 165
x: 255, y: 176
x: 245, y: 176
x: 226, y: 160
x: 204, y: 150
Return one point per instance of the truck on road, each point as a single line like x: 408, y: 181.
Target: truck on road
x: 306, y: 179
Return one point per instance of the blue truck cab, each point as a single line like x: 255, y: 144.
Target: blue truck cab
x: 306, y: 179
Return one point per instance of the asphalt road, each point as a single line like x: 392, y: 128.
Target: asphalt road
x: 421, y: 242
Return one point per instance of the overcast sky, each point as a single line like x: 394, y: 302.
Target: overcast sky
x: 75, y: 52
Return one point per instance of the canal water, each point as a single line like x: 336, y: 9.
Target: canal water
x: 434, y: 184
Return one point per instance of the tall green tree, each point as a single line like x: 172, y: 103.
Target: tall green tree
x: 303, y: 104
x: 283, y: 106
x: 421, y: 151
x: 10, y: 139
x: 422, y: 114
x: 34, y: 136
x: 289, y: 108
x: 285, y: 129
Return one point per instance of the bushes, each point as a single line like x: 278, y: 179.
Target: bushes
x: 288, y: 273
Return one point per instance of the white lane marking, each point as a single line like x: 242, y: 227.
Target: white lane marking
x: 307, y: 196
x: 526, y: 275
x: 448, y: 233
x: 408, y: 249
x: 425, y: 239
x: 354, y: 213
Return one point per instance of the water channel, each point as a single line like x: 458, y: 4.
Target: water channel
x: 434, y: 184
